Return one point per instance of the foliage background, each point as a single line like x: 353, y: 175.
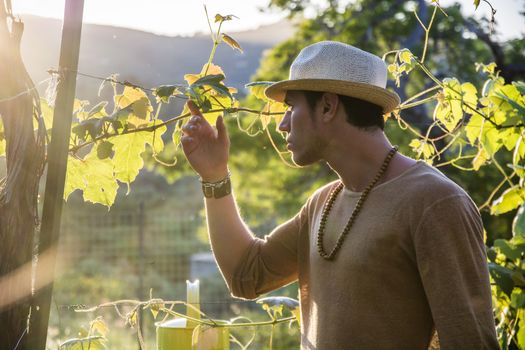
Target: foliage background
x: 269, y: 191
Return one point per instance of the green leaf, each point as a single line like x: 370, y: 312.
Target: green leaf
x: 274, y: 305
x: 509, y: 200
x: 214, y: 81
x: 503, y: 278
x: 420, y: 147
x: 405, y: 56
x: 520, y: 85
x: 136, y: 102
x: 518, y: 224
x: 469, y: 95
x: 510, y: 138
x: 473, y: 128
x: 480, y: 159
x: 98, y: 111
x: 521, y: 336
x: 514, y: 102
x: 94, y: 176
x: 101, y: 185
x: 93, y: 127
x: 164, y: 92
x: 99, y: 326
x: 220, y: 18
x: 490, y: 138
x: 231, y: 42
x: 128, y: 149
x: 519, y: 151
x: 518, y: 278
x: 449, y: 108
x: 127, y: 159
x: 476, y: 3
x: 257, y: 89
x: 104, y: 149
x: 518, y: 300
x: 75, y: 176
x: 155, y: 141
x: 131, y: 318
x: 508, y: 249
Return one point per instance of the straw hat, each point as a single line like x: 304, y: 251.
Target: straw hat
x: 331, y: 66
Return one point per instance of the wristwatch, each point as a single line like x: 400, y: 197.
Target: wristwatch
x: 218, y: 189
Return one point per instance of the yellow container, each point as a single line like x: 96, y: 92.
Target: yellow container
x: 176, y: 335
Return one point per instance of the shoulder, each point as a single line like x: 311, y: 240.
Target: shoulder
x: 425, y: 193
x: 430, y: 185
x: 316, y: 201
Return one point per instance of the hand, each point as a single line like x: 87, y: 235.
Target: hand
x: 205, y: 147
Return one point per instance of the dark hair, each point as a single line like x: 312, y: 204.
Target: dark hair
x: 362, y: 114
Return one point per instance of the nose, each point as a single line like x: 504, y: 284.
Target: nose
x: 284, y: 125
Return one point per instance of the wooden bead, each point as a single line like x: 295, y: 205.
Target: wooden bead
x: 328, y: 207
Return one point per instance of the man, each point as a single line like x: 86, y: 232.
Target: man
x: 386, y: 254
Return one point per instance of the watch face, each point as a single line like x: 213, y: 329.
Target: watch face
x: 217, y: 190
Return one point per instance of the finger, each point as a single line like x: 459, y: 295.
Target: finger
x: 222, y: 132
x: 188, y: 144
x: 194, y: 110
x: 196, y: 113
x: 190, y: 128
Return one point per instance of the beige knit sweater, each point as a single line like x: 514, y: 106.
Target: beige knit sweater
x: 413, y: 260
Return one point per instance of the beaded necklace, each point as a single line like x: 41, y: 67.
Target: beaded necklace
x: 330, y: 202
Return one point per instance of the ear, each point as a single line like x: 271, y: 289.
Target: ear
x: 329, y: 104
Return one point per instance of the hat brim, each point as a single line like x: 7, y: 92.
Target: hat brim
x: 384, y: 98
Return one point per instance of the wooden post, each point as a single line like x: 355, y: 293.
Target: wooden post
x: 56, y: 173
x: 141, y: 269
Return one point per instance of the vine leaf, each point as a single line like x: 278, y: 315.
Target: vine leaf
x: 473, y: 128
x: 104, y: 149
x: 164, y: 92
x: 420, y: 147
x: 98, y: 111
x: 213, y: 81
x: 453, y: 101
x: 231, y: 42
x: 128, y: 160
x: 518, y: 224
x: 257, y: 89
x: 503, y: 277
x: 221, y: 18
x: 75, y: 176
x: 137, y: 103
x: 128, y: 151
x: 480, y: 159
x: 509, y: 200
x: 101, y: 186
x: 275, y: 305
x: 93, y: 176
x: 98, y: 325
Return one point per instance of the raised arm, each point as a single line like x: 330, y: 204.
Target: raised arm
x: 207, y: 151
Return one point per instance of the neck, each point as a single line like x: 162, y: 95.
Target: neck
x: 360, y: 163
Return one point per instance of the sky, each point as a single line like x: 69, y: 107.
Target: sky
x: 186, y: 17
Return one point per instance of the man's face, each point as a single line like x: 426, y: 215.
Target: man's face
x: 299, y: 122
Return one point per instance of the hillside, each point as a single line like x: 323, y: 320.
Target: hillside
x: 143, y: 58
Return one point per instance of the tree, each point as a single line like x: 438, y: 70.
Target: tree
x: 24, y: 149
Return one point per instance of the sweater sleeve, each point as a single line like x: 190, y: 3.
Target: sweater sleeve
x: 452, y: 263
x: 270, y: 263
